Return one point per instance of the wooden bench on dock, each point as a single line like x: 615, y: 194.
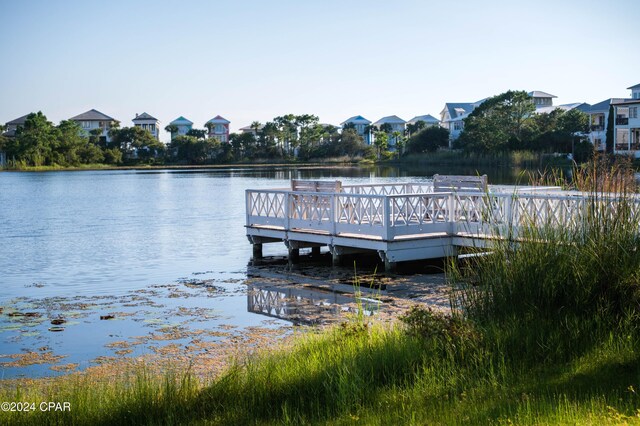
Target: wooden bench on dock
x: 331, y: 186
x: 447, y: 183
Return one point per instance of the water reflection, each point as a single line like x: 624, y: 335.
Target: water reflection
x: 304, y: 305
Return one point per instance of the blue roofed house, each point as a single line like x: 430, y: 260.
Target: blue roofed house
x: 182, y: 127
x: 95, y: 120
x: 361, y: 125
x: 396, y: 123
x: 148, y: 123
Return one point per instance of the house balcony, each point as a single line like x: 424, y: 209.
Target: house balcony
x: 622, y: 121
x: 597, y: 127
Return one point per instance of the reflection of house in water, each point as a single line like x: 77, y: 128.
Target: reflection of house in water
x: 304, y: 305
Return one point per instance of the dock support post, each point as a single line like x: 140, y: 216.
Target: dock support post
x: 390, y: 267
x: 336, y: 259
x: 257, y: 251
x: 315, y: 251
x: 294, y: 255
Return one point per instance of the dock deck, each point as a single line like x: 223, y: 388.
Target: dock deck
x: 403, y: 221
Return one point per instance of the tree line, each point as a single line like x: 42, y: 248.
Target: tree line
x: 504, y: 122
x: 509, y: 122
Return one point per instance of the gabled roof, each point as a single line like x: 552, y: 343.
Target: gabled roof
x: 604, y: 105
x: 249, y: 128
x: 18, y: 121
x: 356, y: 119
x: 92, y: 115
x: 634, y: 87
x: 453, y: 107
x: 391, y: 119
x: 541, y: 94
x: 565, y: 107
x: 426, y: 118
x: 144, y: 116
x: 218, y: 120
x: 181, y: 121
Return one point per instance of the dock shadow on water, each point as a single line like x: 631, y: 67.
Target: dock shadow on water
x: 199, y: 320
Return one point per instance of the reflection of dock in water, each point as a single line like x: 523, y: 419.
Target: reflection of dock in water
x: 304, y: 305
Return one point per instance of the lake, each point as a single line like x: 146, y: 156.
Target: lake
x: 149, y: 250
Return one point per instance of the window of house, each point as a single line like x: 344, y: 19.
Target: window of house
x: 633, y: 112
x: 86, y: 125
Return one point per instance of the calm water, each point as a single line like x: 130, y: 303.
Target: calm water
x: 95, y: 235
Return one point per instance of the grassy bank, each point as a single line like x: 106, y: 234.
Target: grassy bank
x: 544, y: 331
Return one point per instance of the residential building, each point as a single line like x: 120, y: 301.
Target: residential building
x: 626, y: 131
x: 428, y: 120
x: 182, y: 126
x: 361, y: 125
x: 542, y: 99
x: 148, y: 123
x: 396, y: 124
x: 94, y: 119
x: 452, y: 117
x: 598, y: 118
x: 218, y: 128
x: 253, y: 130
x: 13, y: 125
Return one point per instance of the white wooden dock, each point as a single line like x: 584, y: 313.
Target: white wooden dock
x: 403, y: 221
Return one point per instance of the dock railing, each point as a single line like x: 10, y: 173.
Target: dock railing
x: 395, y: 211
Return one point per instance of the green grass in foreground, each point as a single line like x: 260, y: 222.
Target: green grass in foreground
x: 549, y: 335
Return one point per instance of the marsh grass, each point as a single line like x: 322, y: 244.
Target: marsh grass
x: 545, y: 331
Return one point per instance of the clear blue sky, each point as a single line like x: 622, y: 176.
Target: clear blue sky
x: 254, y: 60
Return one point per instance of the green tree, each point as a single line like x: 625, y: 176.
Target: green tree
x: 415, y: 127
x: 497, y: 123
x: 191, y: 150
x: 381, y: 142
x: 609, y: 135
x: 172, y: 129
x: 34, y: 141
x: 197, y: 133
x: 136, y: 142
x: 70, y: 143
x: 429, y: 139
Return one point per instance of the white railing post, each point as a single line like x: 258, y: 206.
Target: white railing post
x: 386, y: 210
x: 287, y: 209
x: 247, y: 205
x: 333, y: 214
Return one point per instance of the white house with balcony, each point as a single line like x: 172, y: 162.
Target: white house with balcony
x: 626, y: 132
x: 218, y: 128
x: 361, y: 125
x: 148, y: 123
x: 598, y: 117
x: 94, y: 119
x: 396, y: 124
x: 182, y: 126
